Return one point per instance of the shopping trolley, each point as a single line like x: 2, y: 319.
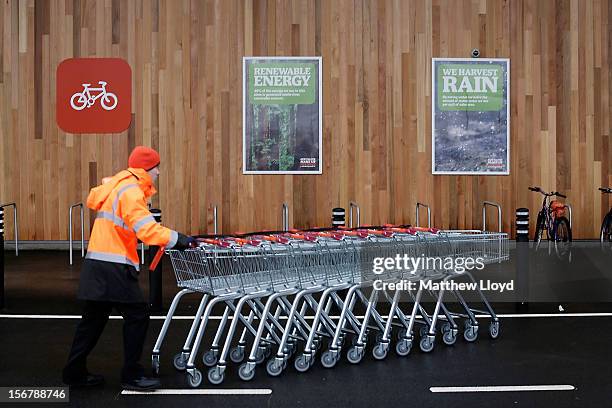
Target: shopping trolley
x: 294, y: 273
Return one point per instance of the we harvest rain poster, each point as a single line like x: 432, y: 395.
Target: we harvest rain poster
x: 470, y: 116
x: 282, y: 132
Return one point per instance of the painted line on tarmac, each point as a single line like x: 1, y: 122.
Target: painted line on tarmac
x: 504, y: 388
x: 116, y: 317
x: 221, y: 391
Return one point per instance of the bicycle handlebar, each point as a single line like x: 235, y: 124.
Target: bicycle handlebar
x: 554, y: 193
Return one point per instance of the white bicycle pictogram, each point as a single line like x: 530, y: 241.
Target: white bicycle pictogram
x: 86, y: 99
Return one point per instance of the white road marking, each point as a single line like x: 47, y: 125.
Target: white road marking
x: 504, y: 388
x: 220, y: 391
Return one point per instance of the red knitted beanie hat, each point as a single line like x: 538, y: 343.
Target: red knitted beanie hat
x: 143, y: 157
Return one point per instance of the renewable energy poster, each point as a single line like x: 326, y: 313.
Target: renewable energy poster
x: 282, y: 132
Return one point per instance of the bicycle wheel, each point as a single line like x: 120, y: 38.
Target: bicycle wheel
x: 109, y: 101
x: 539, y: 228
x: 78, y: 101
x: 562, y: 234
x: 605, y: 236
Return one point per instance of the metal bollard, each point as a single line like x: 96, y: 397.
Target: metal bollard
x: 155, y: 276
x: 1, y: 257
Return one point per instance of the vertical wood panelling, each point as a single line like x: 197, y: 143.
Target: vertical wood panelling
x: 186, y: 59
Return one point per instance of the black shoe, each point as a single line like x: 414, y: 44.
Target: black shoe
x: 142, y: 384
x: 90, y: 380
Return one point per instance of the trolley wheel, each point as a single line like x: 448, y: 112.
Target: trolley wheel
x: 292, y: 348
x: 470, y: 333
x: 301, y: 364
x: 155, y: 363
x: 260, y: 355
x: 379, y: 337
x: 245, y: 373
x: 194, y: 379
x: 449, y: 338
x: 273, y: 368
x: 402, y: 348
x: 446, y: 327
x: 354, y: 356
x: 426, y: 344
x: 494, y: 329
x: 423, y: 331
x: 210, y: 358
x: 380, y: 351
x: 402, y: 333
x: 328, y: 359
x: 215, y: 376
x: 237, y: 354
x: 179, y: 362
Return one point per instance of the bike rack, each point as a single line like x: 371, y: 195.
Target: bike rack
x: 428, y: 214
x: 215, y: 219
x: 285, y: 217
x: 15, y: 225
x: 484, y: 214
x: 82, y: 230
x: 352, y: 205
x: 569, y: 212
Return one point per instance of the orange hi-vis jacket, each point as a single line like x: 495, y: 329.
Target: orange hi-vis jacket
x: 123, y: 217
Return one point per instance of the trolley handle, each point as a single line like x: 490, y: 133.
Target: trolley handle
x: 303, y: 237
x: 558, y: 194
x: 359, y: 234
x: 536, y: 189
x: 404, y: 231
x: 243, y: 241
x: 210, y: 241
x: 386, y: 234
x: 156, y: 258
x: 424, y: 229
x: 605, y: 189
x: 332, y: 235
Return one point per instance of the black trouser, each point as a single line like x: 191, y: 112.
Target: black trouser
x: 95, y: 316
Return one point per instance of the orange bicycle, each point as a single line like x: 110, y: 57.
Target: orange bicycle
x: 552, y: 220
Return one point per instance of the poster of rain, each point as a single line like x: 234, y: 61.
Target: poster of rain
x: 282, y: 132
x: 470, y: 116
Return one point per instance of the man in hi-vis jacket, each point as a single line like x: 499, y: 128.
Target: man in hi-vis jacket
x: 109, y: 276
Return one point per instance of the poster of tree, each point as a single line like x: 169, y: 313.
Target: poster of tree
x: 470, y: 116
x: 282, y: 132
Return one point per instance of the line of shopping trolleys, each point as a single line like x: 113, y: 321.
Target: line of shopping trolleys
x: 283, y: 293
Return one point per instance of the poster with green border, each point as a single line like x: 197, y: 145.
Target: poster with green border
x: 470, y: 114
x: 282, y: 115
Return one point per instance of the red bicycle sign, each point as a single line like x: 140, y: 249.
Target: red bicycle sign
x: 94, y: 95
x: 87, y: 97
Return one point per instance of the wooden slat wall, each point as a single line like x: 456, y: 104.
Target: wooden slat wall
x: 186, y: 59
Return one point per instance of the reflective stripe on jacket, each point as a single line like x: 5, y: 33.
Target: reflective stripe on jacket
x: 123, y: 217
